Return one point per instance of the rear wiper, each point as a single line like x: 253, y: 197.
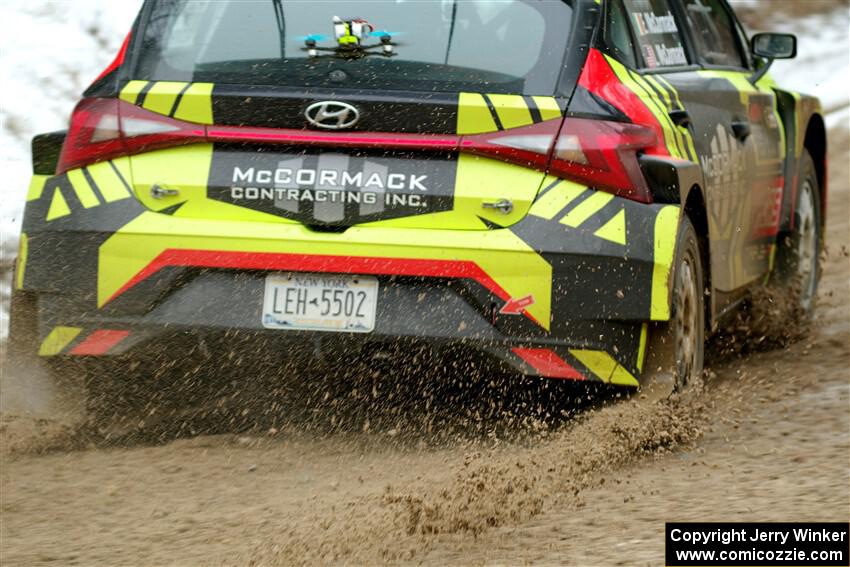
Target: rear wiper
x: 451, y: 31
x: 281, y: 26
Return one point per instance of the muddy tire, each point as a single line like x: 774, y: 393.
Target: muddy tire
x: 798, y: 267
x: 34, y: 385
x: 780, y: 312
x: 23, y: 330
x: 675, y: 349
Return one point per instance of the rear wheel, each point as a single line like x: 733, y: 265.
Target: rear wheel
x: 798, y: 252
x: 781, y: 311
x: 676, y: 347
x: 91, y: 392
x: 34, y: 385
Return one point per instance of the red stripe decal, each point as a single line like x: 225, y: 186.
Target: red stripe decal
x: 118, y: 61
x: 454, y: 269
x: 99, y: 342
x: 548, y: 363
x: 356, y: 139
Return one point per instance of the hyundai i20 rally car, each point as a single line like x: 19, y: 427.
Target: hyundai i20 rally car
x: 576, y: 189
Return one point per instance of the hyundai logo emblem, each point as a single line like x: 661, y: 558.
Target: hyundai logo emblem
x: 332, y: 115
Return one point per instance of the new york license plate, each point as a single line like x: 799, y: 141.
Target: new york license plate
x: 320, y: 302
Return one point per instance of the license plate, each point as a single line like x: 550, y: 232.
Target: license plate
x: 320, y: 302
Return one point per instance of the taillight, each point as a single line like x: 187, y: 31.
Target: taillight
x: 106, y: 128
x: 603, y: 154
x: 596, y: 153
x: 530, y: 146
x: 93, y: 134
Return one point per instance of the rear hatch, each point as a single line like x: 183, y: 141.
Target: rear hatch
x: 339, y: 113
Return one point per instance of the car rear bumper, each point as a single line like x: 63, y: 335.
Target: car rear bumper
x: 566, y: 292
x: 221, y: 310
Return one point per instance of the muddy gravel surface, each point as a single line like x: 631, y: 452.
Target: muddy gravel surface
x: 474, y: 475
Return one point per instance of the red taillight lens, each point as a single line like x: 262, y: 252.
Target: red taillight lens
x: 106, y: 128
x: 143, y: 130
x: 93, y: 135
x: 596, y: 153
x: 604, y: 155
x: 530, y: 146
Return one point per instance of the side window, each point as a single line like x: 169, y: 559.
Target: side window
x: 618, y: 38
x: 714, y: 33
x: 657, y: 33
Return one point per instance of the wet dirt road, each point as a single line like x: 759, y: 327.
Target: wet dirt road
x: 769, y: 439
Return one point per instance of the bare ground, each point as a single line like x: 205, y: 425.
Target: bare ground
x: 767, y: 439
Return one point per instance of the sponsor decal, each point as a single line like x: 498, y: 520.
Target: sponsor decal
x: 332, y: 188
x: 657, y: 34
x: 648, y: 23
x: 670, y: 56
x: 724, y: 170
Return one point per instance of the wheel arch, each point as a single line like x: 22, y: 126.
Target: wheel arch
x: 802, y: 120
x: 681, y: 183
x: 695, y: 208
x: 815, y: 142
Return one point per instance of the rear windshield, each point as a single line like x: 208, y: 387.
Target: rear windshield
x: 507, y: 46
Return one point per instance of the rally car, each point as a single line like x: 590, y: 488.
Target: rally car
x: 575, y: 189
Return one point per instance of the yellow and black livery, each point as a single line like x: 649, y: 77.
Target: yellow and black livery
x: 131, y: 250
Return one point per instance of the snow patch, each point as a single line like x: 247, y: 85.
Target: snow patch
x: 51, y: 51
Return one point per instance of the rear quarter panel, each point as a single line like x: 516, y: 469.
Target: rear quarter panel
x: 802, y: 118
